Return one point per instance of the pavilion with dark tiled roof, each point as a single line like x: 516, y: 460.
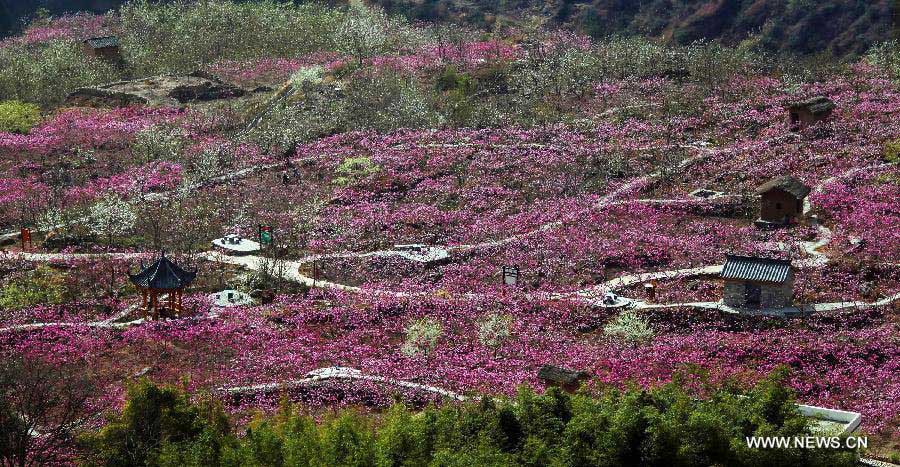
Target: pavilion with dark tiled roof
x: 162, y: 277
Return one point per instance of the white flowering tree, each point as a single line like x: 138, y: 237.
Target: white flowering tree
x: 111, y: 216
x: 630, y: 328
x: 51, y: 219
x: 363, y: 31
x: 158, y: 143
x: 494, y: 329
x: 421, y: 337
x: 307, y: 75
x: 209, y: 164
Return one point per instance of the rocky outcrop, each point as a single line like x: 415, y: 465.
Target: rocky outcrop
x: 166, y: 90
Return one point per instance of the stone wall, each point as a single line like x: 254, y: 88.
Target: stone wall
x: 733, y: 294
x: 777, y: 296
x: 771, y: 295
x: 776, y: 205
x: 167, y: 90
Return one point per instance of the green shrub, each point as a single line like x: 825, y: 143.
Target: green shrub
x: 892, y: 151
x: 43, y: 286
x: 18, y: 117
x: 353, y: 169
x: 451, y: 80
x: 666, y: 426
x: 347, y: 440
x: 386, y: 101
x: 403, y: 438
x: 46, y: 73
x: 184, y: 36
x: 160, y: 426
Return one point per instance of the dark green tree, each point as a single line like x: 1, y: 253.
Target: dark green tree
x: 154, y: 418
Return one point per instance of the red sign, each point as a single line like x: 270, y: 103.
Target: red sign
x: 26, y: 239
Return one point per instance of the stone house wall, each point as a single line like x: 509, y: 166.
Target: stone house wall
x: 777, y: 205
x: 777, y: 295
x: 771, y: 295
x: 800, y: 118
x: 111, y: 54
x: 733, y: 294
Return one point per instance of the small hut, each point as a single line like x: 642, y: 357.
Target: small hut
x: 808, y: 112
x: 162, y: 286
x: 568, y: 380
x: 781, y: 200
x: 754, y: 283
x: 104, y: 48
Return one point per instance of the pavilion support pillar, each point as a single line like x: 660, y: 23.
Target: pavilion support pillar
x: 154, y: 303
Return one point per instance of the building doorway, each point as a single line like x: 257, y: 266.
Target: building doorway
x: 753, y: 295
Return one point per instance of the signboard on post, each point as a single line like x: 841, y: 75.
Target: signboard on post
x: 650, y: 290
x: 510, y: 275
x: 26, y: 239
x: 266, y: 236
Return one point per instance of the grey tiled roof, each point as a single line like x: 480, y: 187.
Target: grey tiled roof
x: 816, y: 105
x: 163, y: 274
x: 102, y: 42
x: 748, y: 268
x: 786, y: 183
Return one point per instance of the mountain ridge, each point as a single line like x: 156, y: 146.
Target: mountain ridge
x: 801, y: 27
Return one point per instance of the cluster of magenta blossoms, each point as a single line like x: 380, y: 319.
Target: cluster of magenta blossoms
x: 573, y: 205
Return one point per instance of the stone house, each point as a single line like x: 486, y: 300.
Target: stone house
x: 781, y: 200
x: 757, y: 283
x: 805, y: 113
x: 104, y: 48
